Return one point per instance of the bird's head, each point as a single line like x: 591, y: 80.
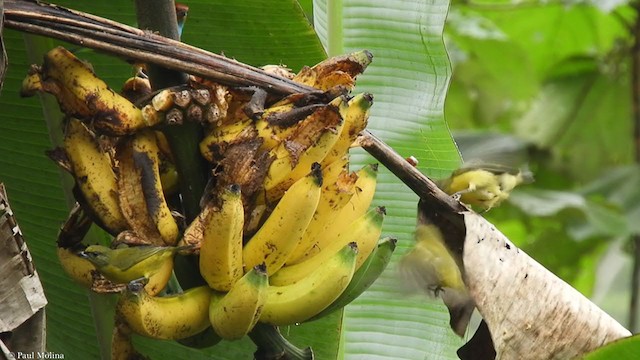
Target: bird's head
x: 96, y: 254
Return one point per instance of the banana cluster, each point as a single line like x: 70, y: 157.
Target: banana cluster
x: 286, y: 232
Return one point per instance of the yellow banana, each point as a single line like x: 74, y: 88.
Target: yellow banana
x: 364, y: 231
x: 281, y: 120
x: 123, y: 265
x: 290, y: 165
x: 168, y: 171
x: 337, y: 189
x: 355, y: 116
x: 146, y: 156
x: 131, y: 196
x: 364, y: 277
x: 336, y: 71
x: 121, y: 344
x: 213, y: 146
x: 168, y: 176
x: 295, y: 303
x: 79, y: 269
x: 80, y: 93
x: 364, y: 189
x: 168, y: 317
x: 94, y: 176
x: 235, y: 313
x: 281, y: 232
x: 273, y: 133
x: 221, y: 246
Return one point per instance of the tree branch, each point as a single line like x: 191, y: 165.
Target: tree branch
x: 133, y: 44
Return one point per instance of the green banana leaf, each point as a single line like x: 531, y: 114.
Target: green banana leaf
x: 409, y: 78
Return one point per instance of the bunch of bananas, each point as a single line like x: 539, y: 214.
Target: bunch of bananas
x: 285, y: 233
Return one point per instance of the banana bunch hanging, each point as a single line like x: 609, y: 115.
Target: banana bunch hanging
x: 286, y: 232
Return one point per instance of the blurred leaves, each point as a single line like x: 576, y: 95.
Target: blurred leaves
x: 556, y: 76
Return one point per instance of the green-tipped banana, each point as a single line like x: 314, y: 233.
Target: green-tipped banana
x: 364, y: 277
x: 168, y: 317
x: 94, y: 176
x: 364, y: 231
x: 281, y: 232
x: 235, y: 313
x: 221, y: 244
x: 364, y: 189
x: 295, y: 303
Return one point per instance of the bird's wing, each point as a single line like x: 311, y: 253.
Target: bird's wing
x: 138, y: 254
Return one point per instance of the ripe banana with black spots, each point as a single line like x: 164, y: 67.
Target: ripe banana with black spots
x: 358, y: 204
x: 221, y: 245
x: 78, y: 268
x: 165, y: 317
x: 213, y: 146
x: 307, y: 145
x: 121, y: 344
x: 235, y: 313
x: 364, y: 277
x: 296, y: 303
x: 131, y: 196
x: 80, y: 93
x: 146, y: 156
x: 94, y: 175
x: 364, y: 231
x: 273, y: 243
x: 355, y: 115
x: 337, y: 189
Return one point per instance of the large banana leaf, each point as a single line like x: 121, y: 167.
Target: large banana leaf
x: 409, y: 78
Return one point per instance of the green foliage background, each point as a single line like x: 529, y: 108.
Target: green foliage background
x: 554, y: 76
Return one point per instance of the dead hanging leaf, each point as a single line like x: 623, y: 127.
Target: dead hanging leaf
x: 23, y: 294
x: 530, y: 312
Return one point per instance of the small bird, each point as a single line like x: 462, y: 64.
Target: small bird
x: 432, y: 268
x: 484, y: 185
x: 152, y: 264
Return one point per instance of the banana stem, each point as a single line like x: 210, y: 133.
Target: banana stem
x: 160, y: 16
x: 272, y: 345
x: 183, y: 139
